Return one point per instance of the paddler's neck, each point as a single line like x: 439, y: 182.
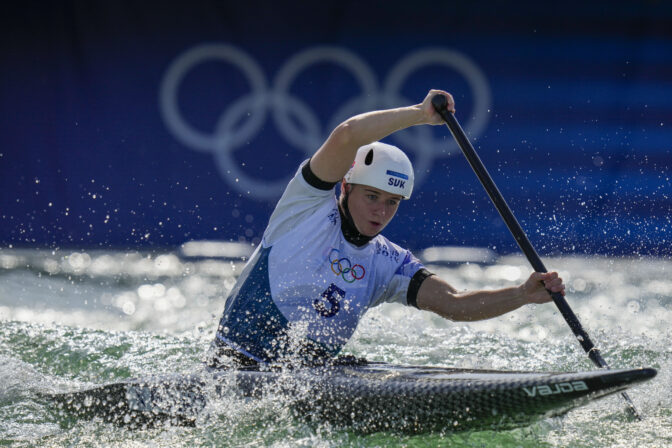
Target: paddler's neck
x: 348, y: 228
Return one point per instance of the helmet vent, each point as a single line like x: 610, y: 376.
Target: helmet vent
x: 368, y: 160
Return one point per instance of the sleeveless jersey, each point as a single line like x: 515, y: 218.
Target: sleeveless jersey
x: 305, y: 284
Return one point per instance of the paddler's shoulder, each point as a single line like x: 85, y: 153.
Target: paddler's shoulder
x: 386, y: 249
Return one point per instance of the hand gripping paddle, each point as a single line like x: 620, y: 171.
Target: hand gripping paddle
x: 440, y: 104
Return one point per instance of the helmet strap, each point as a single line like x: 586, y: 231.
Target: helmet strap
x: 348, y: 228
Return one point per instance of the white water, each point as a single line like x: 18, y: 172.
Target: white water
x: 69, y: 318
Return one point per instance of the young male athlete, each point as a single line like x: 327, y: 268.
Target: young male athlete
x: 322, y: 262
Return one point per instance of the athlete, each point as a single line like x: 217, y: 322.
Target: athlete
x: 322, y: 262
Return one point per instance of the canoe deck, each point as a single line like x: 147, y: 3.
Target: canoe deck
x: 367, y: 398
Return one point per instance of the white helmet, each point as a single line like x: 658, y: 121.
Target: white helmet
x: 384, y: 167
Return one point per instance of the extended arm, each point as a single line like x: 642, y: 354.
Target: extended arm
x: 438, y: 296
x: 335, y: 156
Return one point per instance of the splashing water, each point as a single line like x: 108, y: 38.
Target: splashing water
x: 78, y: 319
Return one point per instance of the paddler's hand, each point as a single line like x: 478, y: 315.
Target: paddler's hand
x: 430, y: 115
x: 536, y: 288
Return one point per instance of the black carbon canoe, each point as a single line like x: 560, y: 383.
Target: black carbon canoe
x: 371, y: 397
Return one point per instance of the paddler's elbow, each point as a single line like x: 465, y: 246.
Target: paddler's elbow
x: 343, y: 135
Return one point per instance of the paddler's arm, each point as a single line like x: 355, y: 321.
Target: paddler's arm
x: 438, y: 296
x: 335, y: 156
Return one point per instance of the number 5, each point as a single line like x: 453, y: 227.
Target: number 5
x: 332, y: 295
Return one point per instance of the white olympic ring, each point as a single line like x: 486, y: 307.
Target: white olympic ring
x: 248, y: 114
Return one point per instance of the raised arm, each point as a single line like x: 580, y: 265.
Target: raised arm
x: 335, y: 156
x: 438, y: 296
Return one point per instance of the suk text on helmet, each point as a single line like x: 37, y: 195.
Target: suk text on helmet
x: 384, y: 167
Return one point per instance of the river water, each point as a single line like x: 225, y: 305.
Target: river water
x: 70, y: 319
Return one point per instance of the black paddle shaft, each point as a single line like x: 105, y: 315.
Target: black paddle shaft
x: 440, y: 104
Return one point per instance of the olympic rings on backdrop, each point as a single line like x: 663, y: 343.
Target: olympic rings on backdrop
x: 349, y: 273
x: 300, y: 126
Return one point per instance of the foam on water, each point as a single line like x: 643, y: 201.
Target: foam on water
x: 81, y: 318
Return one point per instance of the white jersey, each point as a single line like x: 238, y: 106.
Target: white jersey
x: 307, y: 282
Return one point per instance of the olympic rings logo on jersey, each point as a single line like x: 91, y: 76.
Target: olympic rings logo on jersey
x: 344, y: 267
x: 296, y: 122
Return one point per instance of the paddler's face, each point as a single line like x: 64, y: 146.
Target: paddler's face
x: 371, y: 209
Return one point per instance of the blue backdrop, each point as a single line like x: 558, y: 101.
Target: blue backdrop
x: 135, y: 124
